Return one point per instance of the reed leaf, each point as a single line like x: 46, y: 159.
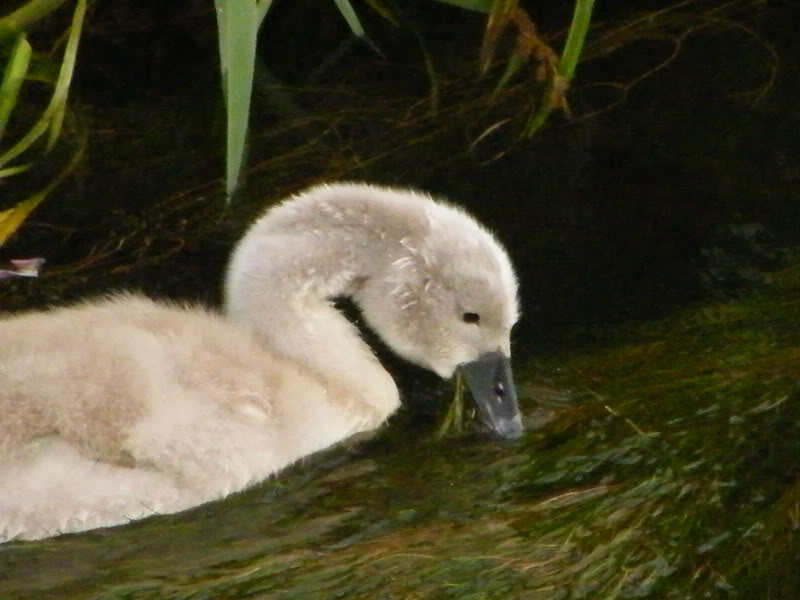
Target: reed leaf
x: 14, y: 75
x: 52, y: 117
x: 350, y: 16
x: 237, y: 23
x: 12, y: 218
x: 555, y: 96
x: 263, y: 9
x: 19, y: 21
x: 58, y: 102
x: 15, y: 170
x: 238, y: 30
x: 50, y: 122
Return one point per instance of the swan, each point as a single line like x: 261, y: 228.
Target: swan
x: 123, y: 407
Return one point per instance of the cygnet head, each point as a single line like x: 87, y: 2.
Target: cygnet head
x: 446, y: 298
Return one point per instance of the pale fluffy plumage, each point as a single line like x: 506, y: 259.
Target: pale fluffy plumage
x: 120, y: 408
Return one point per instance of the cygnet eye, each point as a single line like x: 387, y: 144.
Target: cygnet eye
x: 471, y: 317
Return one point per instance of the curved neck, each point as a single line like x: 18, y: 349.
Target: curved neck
x: 279, y: 287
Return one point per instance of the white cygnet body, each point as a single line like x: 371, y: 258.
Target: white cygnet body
x: 123, y: 407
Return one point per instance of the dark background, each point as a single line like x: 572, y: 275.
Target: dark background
x: 675, y: 179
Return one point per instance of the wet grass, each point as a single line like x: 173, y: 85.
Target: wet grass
x: 669, y: 469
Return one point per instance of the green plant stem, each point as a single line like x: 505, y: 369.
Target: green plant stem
x: 26, y: 15
x: 13, y: 77
x: 581, y: 18
x: 454, y: 419
x: 263, y: 9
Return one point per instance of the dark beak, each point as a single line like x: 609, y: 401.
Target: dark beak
x: 491, y: 382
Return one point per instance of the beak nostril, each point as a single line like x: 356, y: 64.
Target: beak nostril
x: 492, y: 384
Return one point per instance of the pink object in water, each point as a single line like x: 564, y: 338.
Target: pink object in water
x: 23, y: 267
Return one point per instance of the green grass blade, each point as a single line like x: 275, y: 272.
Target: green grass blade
x: 238, y: 27
x: 12, y: 218
x: 53, y: 116
x: 26, y: 15
x: 34, y: 133
x: 58, y: 102
x: 263, y: 9
x: 350, y: 16
x: 16, y: 170
x: 581, y: 18
x: 513, y: 66
x: 14, y: 75
x: 578, y: 29
x: 454, y: 421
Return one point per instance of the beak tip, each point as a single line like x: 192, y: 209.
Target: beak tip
x: 508, y: 429
x: 491, y: 382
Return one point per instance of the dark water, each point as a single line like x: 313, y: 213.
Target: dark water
x: 657, y: 358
